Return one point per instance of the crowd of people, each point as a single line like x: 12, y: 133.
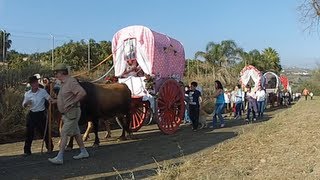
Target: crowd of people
x: 234, y: 103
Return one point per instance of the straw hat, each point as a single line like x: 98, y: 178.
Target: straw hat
x: 60, y: 67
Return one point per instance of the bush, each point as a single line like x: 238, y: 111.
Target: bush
x: 15, y: 77
x: 12, y: 115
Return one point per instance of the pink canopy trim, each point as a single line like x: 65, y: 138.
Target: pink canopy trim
x: 250, y: 72
x: 156, y: 54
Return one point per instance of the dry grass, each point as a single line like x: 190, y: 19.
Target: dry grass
x: 12, y: 115
x: 285, y: 147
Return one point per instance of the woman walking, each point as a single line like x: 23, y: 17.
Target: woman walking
x: 219, y: 106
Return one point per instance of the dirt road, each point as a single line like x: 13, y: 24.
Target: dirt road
x: 134, y: 157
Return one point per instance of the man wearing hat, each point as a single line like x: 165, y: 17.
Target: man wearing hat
x: 34, y: 99
x: 68, y: 102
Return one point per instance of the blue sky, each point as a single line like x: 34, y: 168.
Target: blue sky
x: 252, y: 24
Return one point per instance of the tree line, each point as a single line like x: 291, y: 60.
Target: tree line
x: 75, y: 53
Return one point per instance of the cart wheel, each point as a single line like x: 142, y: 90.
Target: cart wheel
x: 139, y: 110
x: 171, y: 106
x: 149, y: 119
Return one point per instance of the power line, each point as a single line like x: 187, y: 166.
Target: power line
x: 57, y: 38
x: 33, y: 37
x: 45, y: 34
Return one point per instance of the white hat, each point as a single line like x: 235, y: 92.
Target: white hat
x: 38, y: 76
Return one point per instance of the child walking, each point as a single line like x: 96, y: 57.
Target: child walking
x: 194, y: 105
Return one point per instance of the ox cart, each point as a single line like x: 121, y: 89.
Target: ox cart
x: 152, y: 66
x: 251, y: 73
x: 273, y: 87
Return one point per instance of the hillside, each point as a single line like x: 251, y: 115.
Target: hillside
x: 297, y: 76
x: 285, y: 147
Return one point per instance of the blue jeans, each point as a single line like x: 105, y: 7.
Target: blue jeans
x: 194, y: 115
x: 186, y: 116
x: 252, y: 107
x: 261, y: 105
x: 218, y: 112
x: 238, y: 109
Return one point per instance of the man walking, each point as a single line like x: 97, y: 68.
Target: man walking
x: 68, y: 102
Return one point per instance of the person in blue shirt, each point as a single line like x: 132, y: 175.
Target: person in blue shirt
x: 219, y: 106
x: 194, y: 105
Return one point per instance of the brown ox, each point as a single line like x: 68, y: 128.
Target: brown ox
x: 105, y: 101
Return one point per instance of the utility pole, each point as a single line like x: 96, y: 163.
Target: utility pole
x: 89, y: 55
x: 52, y: 52
x: 3, y: 45
x: 188, y: 64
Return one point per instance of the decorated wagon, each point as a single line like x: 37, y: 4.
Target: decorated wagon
x: 273, y: 87
x: 272, y: 82
x: 250, y: 75
x: 152, y: 66
x: 285, y: 83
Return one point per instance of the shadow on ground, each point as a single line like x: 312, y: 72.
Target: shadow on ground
x: 146, y: 147
x: 121, y: 160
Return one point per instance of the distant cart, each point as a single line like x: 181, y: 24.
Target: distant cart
x: 273, y: 87
x: 285, y: 83
x: 152, y: 66
x: 272, y: 82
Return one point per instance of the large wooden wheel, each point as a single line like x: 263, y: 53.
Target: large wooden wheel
x: 171, y: 106
x: 139, y: 111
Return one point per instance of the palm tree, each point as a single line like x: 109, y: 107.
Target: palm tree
x: 217, y: 59
x: 7, y: 44
x: 272, y: 59
x: 250, y: 57
x: 221, y: 54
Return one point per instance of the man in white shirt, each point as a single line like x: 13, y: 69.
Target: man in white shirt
x: 227, y: 97
x: 34, y: 100
x: 261, y: 99
x: 238, y: 101
x: 311, y: 95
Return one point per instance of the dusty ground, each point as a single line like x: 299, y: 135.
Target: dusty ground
x: 135, y: 158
